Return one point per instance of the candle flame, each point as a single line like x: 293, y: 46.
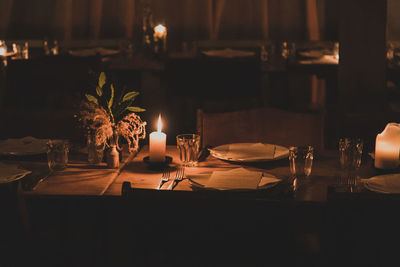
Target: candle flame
x: 160, y: 30
x: 159, y: 124
x: 3, y: 51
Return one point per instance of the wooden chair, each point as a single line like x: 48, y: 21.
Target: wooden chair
x: 262, y: 124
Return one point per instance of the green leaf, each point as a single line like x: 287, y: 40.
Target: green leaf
x: 112, y: 97
x: 99, y: 91
x: 130, y: 96
x: 102, y: 79
x: 135, y: 109
x: 91, y: 98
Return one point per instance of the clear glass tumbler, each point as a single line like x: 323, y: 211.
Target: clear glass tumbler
x: 188, y: 145
x: 350, y: 152
x: 301, y: 159
x: 57, y: 154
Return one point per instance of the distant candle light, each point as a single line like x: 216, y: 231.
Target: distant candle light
x: 160, y: 37
x: 160, y: 31
x: 3, y: 48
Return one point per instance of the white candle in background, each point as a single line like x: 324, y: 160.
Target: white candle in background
x: 160, y: 33
x: 387, y: 147
x: 158, y: 141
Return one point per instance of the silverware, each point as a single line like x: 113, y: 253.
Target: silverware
x: 178, y: 177
x: 164, y: 178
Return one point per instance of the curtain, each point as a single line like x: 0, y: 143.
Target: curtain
x: 186, y: 20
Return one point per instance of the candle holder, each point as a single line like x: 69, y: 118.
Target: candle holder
x: 155, y: 165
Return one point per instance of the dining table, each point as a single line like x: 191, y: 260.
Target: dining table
x: 323, y: 212
x: 83, y: 179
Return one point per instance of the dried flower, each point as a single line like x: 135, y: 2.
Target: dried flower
x: 108, y: 119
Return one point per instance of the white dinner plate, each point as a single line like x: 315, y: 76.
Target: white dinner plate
x: 387, y: 183
x: 23, y: 146
x: 249, y: 152
x: 11, y: 172
x: 200, y: 180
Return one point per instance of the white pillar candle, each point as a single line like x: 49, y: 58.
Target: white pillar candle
x: 160, y: 33
x: 158, y: 142
x: 387, y: 147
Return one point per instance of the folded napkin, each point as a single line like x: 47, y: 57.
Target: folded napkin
x: 387, y: 183
x: 249, y: 151
x: 23, y: 146
x: 253, y: 151
x: 326, y: 59
x: 93, y: 51
x: 235, y: 179
x: 11, y: 172
x: 228, y: 53
x: 311, y: 53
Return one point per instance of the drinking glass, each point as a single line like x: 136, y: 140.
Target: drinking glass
x: 188, y: 145
x: 350, y: 152
x: 57, y: 154
x: 301, y: 159
x: 25, y: 51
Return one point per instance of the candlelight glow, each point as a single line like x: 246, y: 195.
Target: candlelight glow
x: 160, y: 31
x: 159, y: 124
x: 2, y: 51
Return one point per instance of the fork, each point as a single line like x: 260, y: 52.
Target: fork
x: 178, y: 177
x: 164, y: 178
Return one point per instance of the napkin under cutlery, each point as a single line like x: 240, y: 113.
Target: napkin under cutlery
x: 234, y: 179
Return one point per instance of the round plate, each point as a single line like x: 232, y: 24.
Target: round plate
x: 249, y: 152
x: 23, y: 146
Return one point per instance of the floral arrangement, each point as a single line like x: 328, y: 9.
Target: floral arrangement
x: 108, y: 119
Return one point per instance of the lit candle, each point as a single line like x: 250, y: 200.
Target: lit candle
x: 3, y: 51
x: 160, y: 33
x: 158, y: 144
x: 387, y: 147
x: 3, y: 48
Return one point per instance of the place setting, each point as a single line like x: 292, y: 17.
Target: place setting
x: 241, y: 176
x: 32, y: 159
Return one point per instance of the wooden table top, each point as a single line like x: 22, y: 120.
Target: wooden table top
x: 82, y: 179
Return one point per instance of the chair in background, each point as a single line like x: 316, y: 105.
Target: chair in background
x: 263, y: 124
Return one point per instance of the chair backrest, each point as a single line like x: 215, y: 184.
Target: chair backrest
x: 263, y: 124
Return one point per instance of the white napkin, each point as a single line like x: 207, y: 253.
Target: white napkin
x: 387, y: 183
x: 228, y: 53
x: 250, y: 151
x: 11, y: 172
x: 311, y: 53
x: 93, y: 51
x: 326, y: 59
x: 23, y: 146
x: 238, y: 178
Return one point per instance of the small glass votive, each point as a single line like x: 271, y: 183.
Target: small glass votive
x: 301, y: 159
x: 188, y: 145
x: 57, y: 154
x: 350, y: 153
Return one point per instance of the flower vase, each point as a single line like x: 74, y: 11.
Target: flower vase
x: 113, y: 153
